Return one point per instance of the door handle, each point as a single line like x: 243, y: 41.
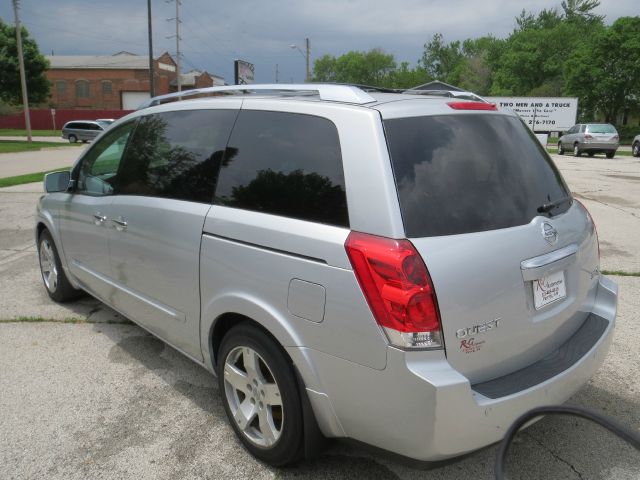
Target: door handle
x: 120, y: 224
x: 99, y: 218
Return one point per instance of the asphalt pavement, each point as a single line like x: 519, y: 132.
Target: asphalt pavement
x: 103, y: 399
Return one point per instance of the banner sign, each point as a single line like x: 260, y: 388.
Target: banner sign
x: 243, y: 72
x: 542, y: 114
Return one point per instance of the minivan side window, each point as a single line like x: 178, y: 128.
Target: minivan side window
x: 176, y: 154
x: 284, y: 164
x: 96, y: 173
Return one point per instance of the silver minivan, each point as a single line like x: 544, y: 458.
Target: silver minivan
x: 83, y: 130
x: 407, y: 271
x: 590, y: 138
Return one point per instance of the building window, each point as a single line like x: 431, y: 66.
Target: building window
x: 61, y: 88
x: 82, y: 89
x: 107, y: 88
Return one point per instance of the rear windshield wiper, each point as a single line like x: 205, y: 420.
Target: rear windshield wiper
x: 547, y: 207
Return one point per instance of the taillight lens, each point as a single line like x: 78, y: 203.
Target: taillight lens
x: 472, y: 106
x: 595, y: 229
x: 615, y: 137
x: 398, y: 288
x: 588, y: 137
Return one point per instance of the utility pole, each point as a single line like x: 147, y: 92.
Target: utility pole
x: 177, y: 35
x: 152, y: 89
x: 23, y: 78
x: 277, y: 73
x: 308, y: 55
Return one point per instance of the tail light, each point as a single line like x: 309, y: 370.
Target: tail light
x: 595, y: 229
x: 472, y: 106
x: 398, y: 289
x: 615, y: 137
x: 588, y: 137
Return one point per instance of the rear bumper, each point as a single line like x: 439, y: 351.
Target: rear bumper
x: 598, y: 147
x: 422, y: 408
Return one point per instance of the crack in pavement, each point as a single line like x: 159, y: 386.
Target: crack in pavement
x: 554, y: 455
x: 606, y: 204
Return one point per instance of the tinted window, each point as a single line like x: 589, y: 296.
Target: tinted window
x: 469, y: 173
x: 606, y: 128
x: 284, y: 164
x: 176, y: 154
x: 96, y: 173
x: 82, y: 89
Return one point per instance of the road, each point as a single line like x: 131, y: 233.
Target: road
x: 103, y: 399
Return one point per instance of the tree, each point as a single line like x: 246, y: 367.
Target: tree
x: 443, y: 61
x: 364, y: 68
x: 581, y: 9
x: 375, y: 68
x: 605, y: 71
x: 35, y: 65
x: 533, y: 59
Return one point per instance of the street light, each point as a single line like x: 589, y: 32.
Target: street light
x: 306, y: 55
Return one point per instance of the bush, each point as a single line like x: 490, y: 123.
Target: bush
x: 627, y: 132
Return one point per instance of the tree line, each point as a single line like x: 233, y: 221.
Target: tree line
x: 566, y: 51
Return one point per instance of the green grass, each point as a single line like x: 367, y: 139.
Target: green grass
x: 12, y: 146
x: 27, y: 178
x: 15, y: 132
x: 620, y: 273
x: 619, y: 153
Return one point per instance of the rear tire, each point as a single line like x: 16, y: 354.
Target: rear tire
x: 55, y: 280
x: 611, y: 154
x: 560, y: 149
x: 591, y: 154
x: 635, y: 149
x: 576, y: 151
x: 73, y: 139
x: 260, y: 395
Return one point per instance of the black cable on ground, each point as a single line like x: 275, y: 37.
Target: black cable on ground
x: 627, y: 434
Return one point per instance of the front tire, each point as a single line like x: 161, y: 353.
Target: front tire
x: 576, y: 151
x: 55, y: 280
x: 635, y: 149
x: 260, y: 395
x: 560, y: 149
x: 73, y: 139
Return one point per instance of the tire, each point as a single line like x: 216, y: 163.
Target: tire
x: 272, y: 432
x: 610, y: 154
x: 560, y: 149
x: 73, y: 139
x: 591, y: 154
x: 635, y: 149
x: 55, y: 280
x: 576, y: 150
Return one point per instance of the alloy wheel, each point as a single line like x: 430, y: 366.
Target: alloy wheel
x: 48, y: 266
x: 253, y: 396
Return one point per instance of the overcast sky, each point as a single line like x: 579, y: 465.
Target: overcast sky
x: 215, y: 32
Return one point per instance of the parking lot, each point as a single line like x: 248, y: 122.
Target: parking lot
x: 86, y: 394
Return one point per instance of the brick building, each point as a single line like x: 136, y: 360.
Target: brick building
x: 111, y: 82
x: 196, y: 79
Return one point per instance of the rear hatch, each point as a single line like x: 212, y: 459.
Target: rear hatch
x: 513, y: 258
x: 601, y: 133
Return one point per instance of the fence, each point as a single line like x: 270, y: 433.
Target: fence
x: 42, y: 119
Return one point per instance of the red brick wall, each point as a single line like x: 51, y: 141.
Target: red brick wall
x: 127, y: 80
x: 41, y: 118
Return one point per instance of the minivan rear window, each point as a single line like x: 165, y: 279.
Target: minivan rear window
x: 470, y: 173
x: 606, y: 128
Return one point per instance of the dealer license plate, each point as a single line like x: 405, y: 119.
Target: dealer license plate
x: 548, y: 289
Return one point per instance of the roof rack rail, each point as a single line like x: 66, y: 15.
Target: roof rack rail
x: 329, y: 92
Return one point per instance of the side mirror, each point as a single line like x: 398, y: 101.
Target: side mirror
x: 57, y: 181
